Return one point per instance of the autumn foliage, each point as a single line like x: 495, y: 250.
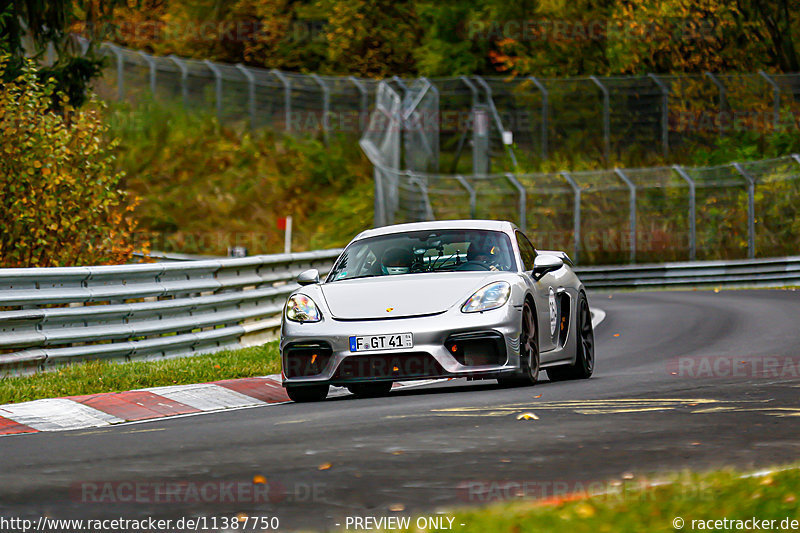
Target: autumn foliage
x: 61, y: 200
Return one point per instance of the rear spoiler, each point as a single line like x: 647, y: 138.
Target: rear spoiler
x: 563, y: 255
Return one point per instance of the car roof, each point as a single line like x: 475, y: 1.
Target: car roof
x: 495, y: 225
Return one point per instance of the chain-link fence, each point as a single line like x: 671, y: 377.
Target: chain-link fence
x: 658, y: 214
x: 498, y: 119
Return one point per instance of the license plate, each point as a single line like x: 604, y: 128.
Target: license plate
x: 381, y: 342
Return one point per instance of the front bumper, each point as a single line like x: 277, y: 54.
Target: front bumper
x: 317, y: 353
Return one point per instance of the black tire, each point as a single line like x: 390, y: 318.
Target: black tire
x: 584, y: 357
x: 528, y: 351
x: 308, y: 393
x: 372, y: 389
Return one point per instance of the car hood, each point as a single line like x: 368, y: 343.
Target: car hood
x: 403, y: 295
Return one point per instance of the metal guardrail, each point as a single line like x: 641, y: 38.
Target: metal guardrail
x: 52, y: 316
x: 773, y: 272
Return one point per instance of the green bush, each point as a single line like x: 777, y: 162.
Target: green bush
x: 62, y: 199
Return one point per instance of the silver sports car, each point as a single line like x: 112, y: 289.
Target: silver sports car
x: 462, y: 298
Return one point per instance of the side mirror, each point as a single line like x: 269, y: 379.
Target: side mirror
x: 545, y: 263
x: 309, y: 277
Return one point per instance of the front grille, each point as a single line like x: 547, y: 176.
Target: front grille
x: 306, y: 359
x: 389, y: 366
x: 477, y: 349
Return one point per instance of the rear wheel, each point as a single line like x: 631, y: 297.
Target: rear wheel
x: 370, y: 390
x: 308, y: 393
x: 528, y: 351
x: 584, y: 358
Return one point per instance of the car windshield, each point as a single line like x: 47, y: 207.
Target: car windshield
x: 425, y: 251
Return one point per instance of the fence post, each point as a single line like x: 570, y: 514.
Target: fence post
x: 364, y: 107
x: 498, y: 123
x: 476, y: 155
x: 120, y: 70
x: 473, y: 200
x: 326, y: 104
x: 664, y: 113
x: 692, y: 211
x: 523, y: 219
x: 576, y: 213
x: 632, y: 208
x: 399, y: 81
x: 379, y: 204
x: 723, y: 97
x: 184, y: 75
x: 751, y: 210
x: 251, y: 93
x: 776, y: 91
x: 545, y: 107
x: 423, y: 189
x: 606, y: 117
x: 287, y: 97
x: 217, y: 86
x: 151, y: 64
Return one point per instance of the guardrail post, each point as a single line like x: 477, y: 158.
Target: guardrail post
x: 184, y: 76
x: 545, y: 107
x: 632, y: 208
x: 326, y: 104
x: 776, y: 91
x: 120, y: 70
x: 692, y: 211
x: 523, y: 219
x: 723, y: 97
x: 151, y: 64
x: 606, y: 117
x: 287, y: 97
x: 751, y: 210
x: 251, y: 93
x: 664, y: 113
x: 473, y: 200
x: 217, y: 86
x: 364, y: 107
x: 576, y: 213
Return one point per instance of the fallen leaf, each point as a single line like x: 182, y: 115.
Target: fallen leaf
x: 259, y: 480
x: 324, y: 466
x: 396, y: 507
x: 627, y: 475
x: 241, y: 517
x: 538, y: 396
x: 527, y: 416
x: 616, y: 334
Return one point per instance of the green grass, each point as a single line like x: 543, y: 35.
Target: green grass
x: 629, y: 507
x: 102, y: 376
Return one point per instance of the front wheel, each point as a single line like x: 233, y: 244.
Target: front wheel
x: 308, y: 393
x: 583, y: 367
x: 528, y: 351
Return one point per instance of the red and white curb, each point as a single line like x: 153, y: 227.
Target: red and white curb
x: 105, y: 409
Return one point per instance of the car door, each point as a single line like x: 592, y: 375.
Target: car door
x: 543, y: 294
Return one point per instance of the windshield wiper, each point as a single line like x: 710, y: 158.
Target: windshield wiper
x: 358, y: 277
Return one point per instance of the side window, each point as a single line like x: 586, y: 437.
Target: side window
x: 526, y: 250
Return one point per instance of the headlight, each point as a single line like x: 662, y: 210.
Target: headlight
x: 301, y: 308
x: 489, y: 297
